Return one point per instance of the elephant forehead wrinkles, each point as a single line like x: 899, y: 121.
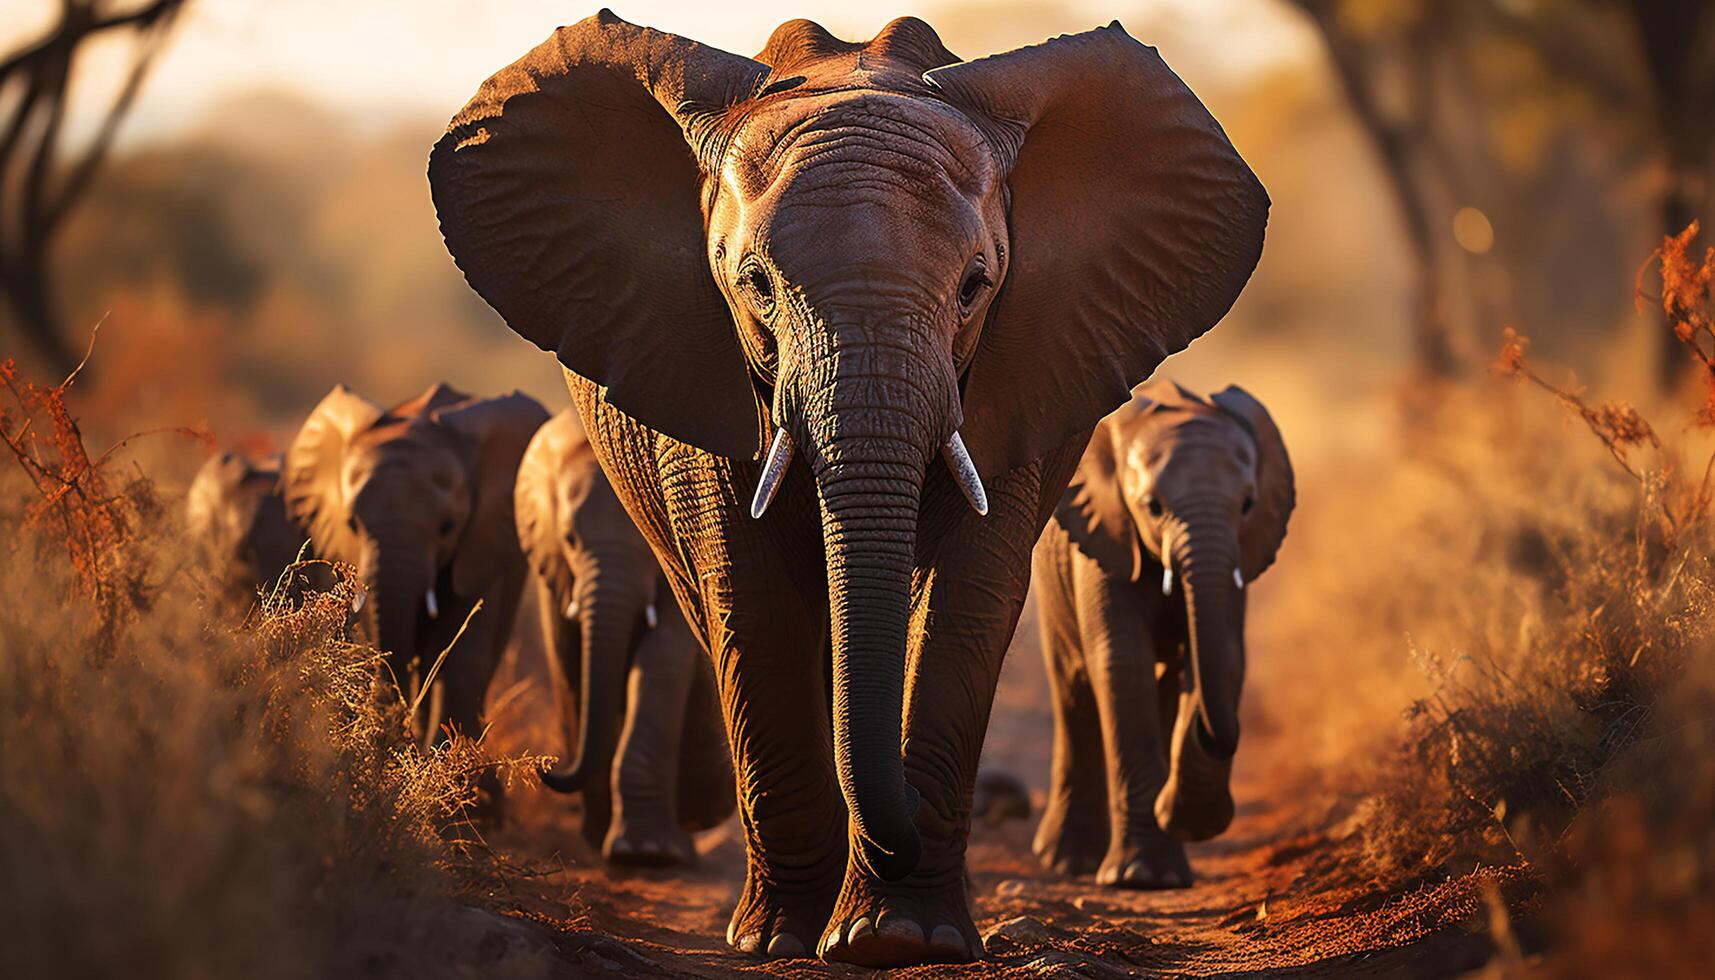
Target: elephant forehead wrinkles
x: 916, y: 136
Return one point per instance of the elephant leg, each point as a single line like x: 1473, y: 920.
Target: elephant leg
x: 645, y: 829
x: 705, y: 765
x: 775, y: 700
x: 973, y: 575
x: 1122, y: 664
x: 756, y: 599
x: 1073, y: 835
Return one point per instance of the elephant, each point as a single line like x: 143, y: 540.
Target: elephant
x: 236, y: 514
x: 1146, y: 673
x: 418, y: 497
x: 629, y: 678
x: 811, y: 273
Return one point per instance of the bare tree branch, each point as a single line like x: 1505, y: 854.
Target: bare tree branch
x: 38, y: 190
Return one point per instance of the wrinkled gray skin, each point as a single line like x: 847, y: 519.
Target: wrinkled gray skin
x: 630, y: 681
x: 236, y: 514
x: 1145, y: 644
x: 419, y: 498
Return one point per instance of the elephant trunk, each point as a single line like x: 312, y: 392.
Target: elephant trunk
x: 872, y: 430
x: 1196, y: 803
x: 398, y: 575
x: 610, y: 612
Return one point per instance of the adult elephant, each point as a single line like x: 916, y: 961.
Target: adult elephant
x: 419, y: 498
x: 857, y: 256
x: 628, y: 677
x: 236, y: 514
x: 1144, y: 741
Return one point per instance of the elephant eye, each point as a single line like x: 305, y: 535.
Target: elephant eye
x: 1248, y: 505
x: 446, y: 527
x: 975, y: 281
x: 755, y: 281
x: 351, y: 523
x: 1155, y: 508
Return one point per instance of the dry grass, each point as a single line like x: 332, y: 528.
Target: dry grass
x: 1538, y: 608
x: 182, y: 795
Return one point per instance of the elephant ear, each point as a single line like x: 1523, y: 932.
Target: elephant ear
x: 1134, y: 224
x: 497, y: 430
x: 535, y: 498
x: 210, y: 494
x: 315, y: 494
x: 1276, y: 492
x: 1093, y: 509
x: 570, y: 197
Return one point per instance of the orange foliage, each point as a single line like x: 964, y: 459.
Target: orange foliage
x: 1617, y: 424
x: 1688, y: 302
x: 87, y: 516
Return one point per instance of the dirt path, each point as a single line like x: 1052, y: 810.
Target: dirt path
x: 1277, y: 894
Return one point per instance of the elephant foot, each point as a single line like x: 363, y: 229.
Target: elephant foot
x: 880, y: 924
x: 1000, y: 796
x: 775, y: 922
x: 648, y: 844
x: 1150, y: 861
x: 488, y: 809
x: 1069, y: 852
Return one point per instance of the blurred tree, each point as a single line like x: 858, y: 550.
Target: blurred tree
x: 37, y: 187
x: 1468, y: 100
x: 1382, y: 56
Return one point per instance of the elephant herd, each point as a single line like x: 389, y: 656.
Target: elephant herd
x: 855, y: 337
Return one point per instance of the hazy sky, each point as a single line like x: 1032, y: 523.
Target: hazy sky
x: 385, y: 58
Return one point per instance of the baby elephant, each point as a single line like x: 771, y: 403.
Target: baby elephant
x: 419, y: 498
x: 630, y: 679
x: 1178, y: 504
x: 236, y: 514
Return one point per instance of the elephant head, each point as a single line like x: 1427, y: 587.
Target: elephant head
x: 860, y: 255
x: 236, y: 512
x: 577, y: 536
x: 1201, y: 489
x: 417, y: 497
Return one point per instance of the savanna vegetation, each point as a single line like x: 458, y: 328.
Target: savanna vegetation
x: 1480, y: 714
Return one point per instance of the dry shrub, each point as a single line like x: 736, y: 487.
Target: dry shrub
x: 1555, y: 594
x: 185, y: 795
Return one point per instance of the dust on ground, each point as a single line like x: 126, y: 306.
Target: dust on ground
x: 1281, y: 893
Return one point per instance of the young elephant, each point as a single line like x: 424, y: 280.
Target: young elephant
x: 419, y: 498
x: 629, y: 677
x: 236, y: 514
x: 838, y: 320
x: 1141, y: 661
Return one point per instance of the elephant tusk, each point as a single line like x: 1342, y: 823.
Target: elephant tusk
x: 965, y: 472
x: 1238, y: 578
x: 1166, y: 561
x: 650, y: 616
x: 357, y: 601
x: 432, y: 603
x: 773, y: 472
x: 572, y: 609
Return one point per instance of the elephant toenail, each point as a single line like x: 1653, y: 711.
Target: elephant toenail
x: 785, y: 946
x: 861, y: 929
x: 948, y: 941
x: 899, y: 927
x: 750, y: 942
x: 623, y: 846
x: 1137, y: 871
x: 1171, y: 879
